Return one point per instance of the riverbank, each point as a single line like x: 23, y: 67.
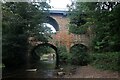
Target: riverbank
x: 91, y: 72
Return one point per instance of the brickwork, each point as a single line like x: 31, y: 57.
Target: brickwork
x: 63, y: 37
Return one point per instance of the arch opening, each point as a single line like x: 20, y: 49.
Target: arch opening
x: 82, y: 47
x: 46, y: 53
x: 50, y: 28
x: 79, y: 54
x: 52, y: 22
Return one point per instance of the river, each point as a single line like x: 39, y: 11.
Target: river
x: 44, y: 69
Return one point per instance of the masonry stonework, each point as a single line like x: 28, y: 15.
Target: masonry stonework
x: 63, y: 37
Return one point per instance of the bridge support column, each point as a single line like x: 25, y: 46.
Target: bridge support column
x: 57, y: 59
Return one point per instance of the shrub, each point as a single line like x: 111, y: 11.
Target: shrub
x: 63, y: 55
x: 107, y: 61
x: 80, y: 59
x: 79, y: 55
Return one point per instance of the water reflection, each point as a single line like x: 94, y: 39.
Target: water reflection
x: 45, y: 68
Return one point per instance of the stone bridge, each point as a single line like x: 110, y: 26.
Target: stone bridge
x: 60, y: 21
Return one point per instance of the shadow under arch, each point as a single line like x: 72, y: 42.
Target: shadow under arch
x: 50, y: 45
x: 52, y: 22
x: 79, y: 54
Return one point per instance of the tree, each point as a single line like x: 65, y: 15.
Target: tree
x: 20, y: 20
x: 102, y: 18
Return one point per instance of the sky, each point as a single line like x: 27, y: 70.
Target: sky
x: 50, y: 26
x: 59, y: 4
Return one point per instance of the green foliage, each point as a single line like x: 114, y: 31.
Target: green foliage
x: 80, y: 19
x: 20, y: 20
x: 44, y: 50
x: 63, y: 55
x: 77, y: 30
x: 106, y: 38
x: 106, y: 61
x: 79, y: 55
x: 104, y: 19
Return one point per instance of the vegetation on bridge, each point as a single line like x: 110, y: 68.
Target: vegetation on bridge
x: 102, y: 19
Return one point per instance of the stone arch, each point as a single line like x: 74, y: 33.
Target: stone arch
x: 79, y: 54
x: 79, y: 44
x: 82, y: 45
x: 52, y: 22
x: 50, y: 45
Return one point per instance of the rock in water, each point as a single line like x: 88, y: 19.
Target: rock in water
x: 60, y: 73
x: 31, y: 70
